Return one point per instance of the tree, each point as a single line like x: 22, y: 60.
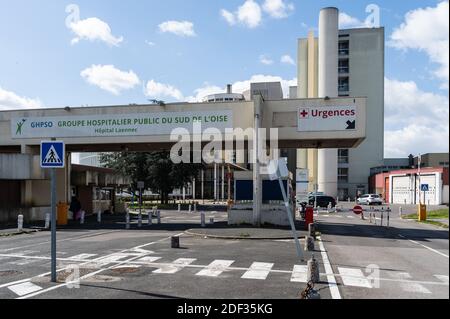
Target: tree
x: 156, y: 169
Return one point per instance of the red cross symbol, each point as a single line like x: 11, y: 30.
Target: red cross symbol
x: 304, y: 113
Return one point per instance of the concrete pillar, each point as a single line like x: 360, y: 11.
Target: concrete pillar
x: 328, y: 86
x: 257, y: 181
x: 302, y: 86
x: 223, y: 183
x: 302, y: 158
x: 215, y: 182
x: 203, y: 185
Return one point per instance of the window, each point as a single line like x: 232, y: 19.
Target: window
x: 344, y: 84
x: 344, y: 66
x: 343, y: 175
x: 343, y: 156
x: 344, y: 47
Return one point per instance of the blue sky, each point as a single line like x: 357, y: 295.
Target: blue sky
x: 41, y: 67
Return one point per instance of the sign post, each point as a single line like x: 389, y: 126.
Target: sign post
x: 141, y: 186
x: 53, y: 157
x: 278, y: 170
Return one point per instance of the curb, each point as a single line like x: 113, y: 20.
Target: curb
x: 241, y: 238
x: 28, y: 232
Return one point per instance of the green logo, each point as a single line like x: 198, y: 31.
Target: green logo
x: 19, y: 127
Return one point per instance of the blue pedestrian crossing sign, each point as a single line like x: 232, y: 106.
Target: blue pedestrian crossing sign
x: 424, y: 187
x: 52, y: 154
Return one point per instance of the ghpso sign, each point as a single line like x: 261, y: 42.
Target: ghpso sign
x: 328, y: 118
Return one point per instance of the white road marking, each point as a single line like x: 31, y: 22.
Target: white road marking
x: 81, y: 257
x: 127, y: 266
x: 299, y: 273
x: 429, y: 248
x: 24, y: 288
x: 22, y: 262
x: 408, y: 285
x: 84, y: 277
x: 334, y: 290
x: 149, y: 259
x: 215, y: 268
x: 258, y: 271
x: 176, y: 266
x: 443, y: 278
x: 351, y: 217
x: 143, y: 251
x: 353, y: 277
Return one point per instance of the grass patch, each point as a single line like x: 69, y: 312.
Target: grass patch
x: 436, y: 214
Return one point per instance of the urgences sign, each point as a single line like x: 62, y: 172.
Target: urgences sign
x: 329, y: 118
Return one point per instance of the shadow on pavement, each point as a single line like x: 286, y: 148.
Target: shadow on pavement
x: 374, y: 231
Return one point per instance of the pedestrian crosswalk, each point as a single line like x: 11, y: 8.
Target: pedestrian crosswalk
x: 258, y: 271
x: 224, y: 268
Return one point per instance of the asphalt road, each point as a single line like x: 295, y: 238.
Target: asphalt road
x: 139, y: 263
x: 407, y: 260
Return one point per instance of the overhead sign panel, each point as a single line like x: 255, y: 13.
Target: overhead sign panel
x: 140, y: 124
x: 328, y: 118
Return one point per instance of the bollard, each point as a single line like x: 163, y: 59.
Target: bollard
x: 20, y: 222
x: 312, y: 230
x: 47, y: 221
x: 382, y: 216
x: 309, y: 243
x: 127, y: 221
x: 158, y: 216
x: 179, y: 208
x: 83, y: 213
x: 400, y: 211
x: 202, y: 219
x: 211, y: 220
x: 195, y: 207
x: 99, y: 216
x: 313, y: 273
x: 150, y: 218
x: 175, y: 242
x: 190, y: 208
x: 140, y: 220
x: 388, y: 216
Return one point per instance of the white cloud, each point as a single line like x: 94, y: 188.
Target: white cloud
x: 348, y: 22
x: 287, y: 59
x: 157, y: 90
x: 415, y: 121
x: 11, y: 101
x: 278, y: 9
x: 265, y: 60
x: 249, y: 14
x: 204, y: 91
x: 427, y: 30
x: 150, y: 43
x: 110, y: 79
x: 228, y: 16
x: 93, y: 29
x: 180, y: 28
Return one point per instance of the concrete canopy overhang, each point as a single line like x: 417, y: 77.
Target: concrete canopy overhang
x: 280, y: 114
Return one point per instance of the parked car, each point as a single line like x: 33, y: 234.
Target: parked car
x: 322, y: 201
x: 370, y: 199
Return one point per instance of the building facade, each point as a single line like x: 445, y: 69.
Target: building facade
x: 360, y: 71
